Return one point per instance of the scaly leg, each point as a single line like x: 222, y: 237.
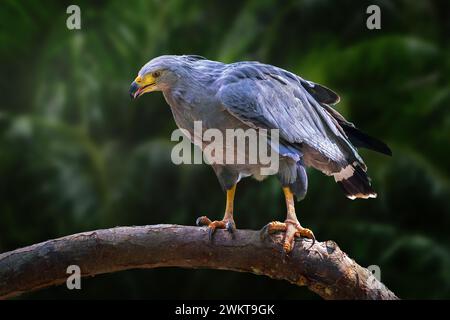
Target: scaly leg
x: 227, y: 222
x: 291, y: 225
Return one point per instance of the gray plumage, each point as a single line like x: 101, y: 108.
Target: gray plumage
x: 256, y: 95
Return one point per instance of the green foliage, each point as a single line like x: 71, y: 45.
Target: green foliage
x: 76, y: 154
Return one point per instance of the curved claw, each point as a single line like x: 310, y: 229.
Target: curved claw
x: 264, y: 232
x: 307, y: 233
x: 231, y: 227
x: 272, y: 227
x: 211, y: 230
x: 313, y: 241
x: 284, y: 254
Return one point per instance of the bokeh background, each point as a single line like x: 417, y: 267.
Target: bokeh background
x: 76, y: 154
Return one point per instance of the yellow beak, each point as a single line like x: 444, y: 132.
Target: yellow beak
x: 141, y: 85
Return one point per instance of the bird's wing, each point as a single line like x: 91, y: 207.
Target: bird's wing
x: 267, y: 97
x: 321, y: 93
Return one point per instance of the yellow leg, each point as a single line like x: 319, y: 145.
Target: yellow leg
x: 290, y: 205
x: 227, y: 222
x: 230, y: 204
x: 291, y: 225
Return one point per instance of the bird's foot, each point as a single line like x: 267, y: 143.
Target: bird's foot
x: 227, y: 224
x: 292, y: 229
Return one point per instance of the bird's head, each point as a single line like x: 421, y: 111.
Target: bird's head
x: 158, y: 74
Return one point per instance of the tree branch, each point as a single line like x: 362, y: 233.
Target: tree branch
x: 323, y: 268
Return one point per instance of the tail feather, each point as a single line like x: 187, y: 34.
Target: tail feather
x: 355, y: 182
x: 358, y: 138
x: 362, y: 140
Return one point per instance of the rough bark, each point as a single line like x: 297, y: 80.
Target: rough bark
x: 323, y: 268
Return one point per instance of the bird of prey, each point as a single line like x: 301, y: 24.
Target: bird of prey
x: 255, y: 95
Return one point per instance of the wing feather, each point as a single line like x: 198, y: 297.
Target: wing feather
x: 267, y: 97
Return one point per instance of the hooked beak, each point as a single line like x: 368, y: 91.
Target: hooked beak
x: 138, y: 89
x: 134, y: 90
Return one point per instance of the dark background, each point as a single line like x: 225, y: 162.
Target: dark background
x: 77, y: 155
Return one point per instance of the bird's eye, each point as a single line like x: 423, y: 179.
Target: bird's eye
x: 156, y: 74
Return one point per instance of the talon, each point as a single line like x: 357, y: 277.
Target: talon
x: 227, y: 224
x: 307, y: 233
x: 230, y: 226
x: 211, y: 230
x: 271, y: 228
x: 313, y: 242
x: 286, y: 247
x: 284, y: 254
x: 293, y: 230
x: 263, y: 232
